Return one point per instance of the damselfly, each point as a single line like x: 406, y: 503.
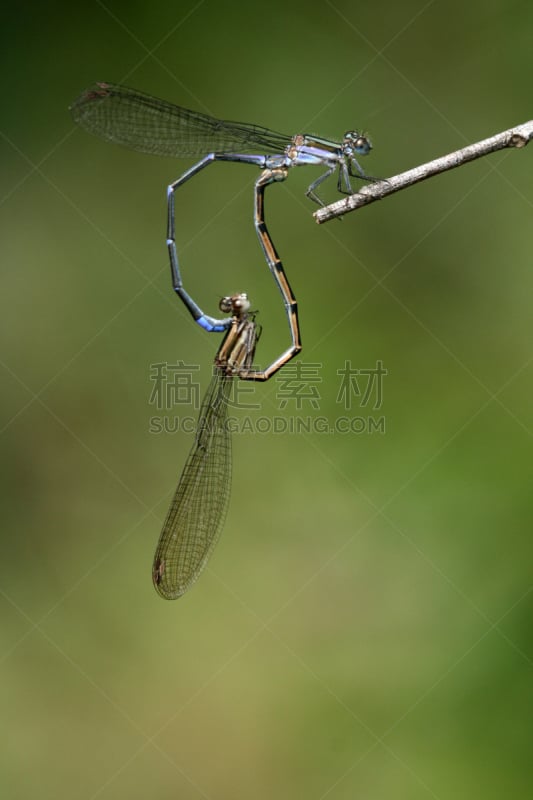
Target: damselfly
x: 145, y: 123
x: 198, y: 509
x: 197, y: 512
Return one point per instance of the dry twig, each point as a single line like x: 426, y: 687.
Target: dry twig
x: 518, y: 136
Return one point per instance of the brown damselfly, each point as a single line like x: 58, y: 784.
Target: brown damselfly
x: 198, y: 509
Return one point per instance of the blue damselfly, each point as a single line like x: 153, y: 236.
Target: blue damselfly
x: 150, y: 125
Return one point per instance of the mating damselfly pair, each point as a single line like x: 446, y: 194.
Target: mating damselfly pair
x: 150, y: 125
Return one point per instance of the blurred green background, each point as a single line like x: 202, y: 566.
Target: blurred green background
x: 362, y: 628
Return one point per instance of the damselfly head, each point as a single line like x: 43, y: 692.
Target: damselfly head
x: 355, y: 142
x: 236, y: 304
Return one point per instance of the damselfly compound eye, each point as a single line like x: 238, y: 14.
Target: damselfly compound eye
x: 241, y: 302
x: 358, y: 142
x: 226, y: 305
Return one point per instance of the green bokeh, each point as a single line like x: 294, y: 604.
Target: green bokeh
x: 361, y: 630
